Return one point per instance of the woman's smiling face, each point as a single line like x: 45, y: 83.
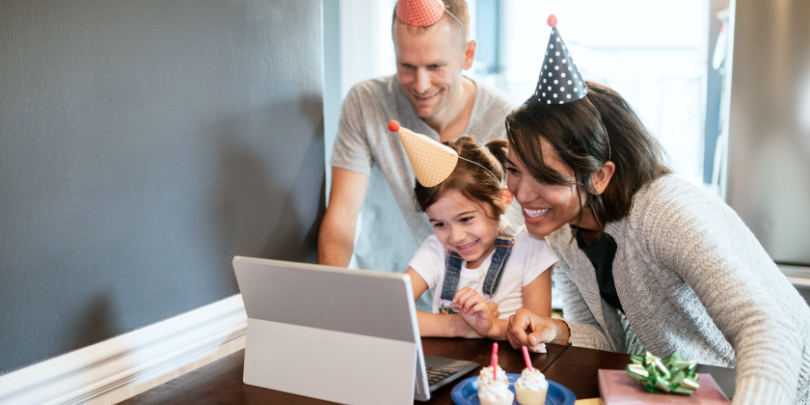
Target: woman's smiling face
x: 546, y: 207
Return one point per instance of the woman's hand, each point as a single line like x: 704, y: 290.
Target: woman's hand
x: 529, y: 329
x: 479, y: 314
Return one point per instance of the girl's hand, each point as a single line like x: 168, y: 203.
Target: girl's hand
x: 475, y: 310
x: 529, y: 329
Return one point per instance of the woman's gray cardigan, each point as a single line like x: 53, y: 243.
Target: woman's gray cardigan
x: 692, y: 277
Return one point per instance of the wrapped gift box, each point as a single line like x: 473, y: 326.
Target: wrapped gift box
x: 617, y: 388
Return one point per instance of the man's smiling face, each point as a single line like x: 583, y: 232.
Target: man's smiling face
x: 430, y: 62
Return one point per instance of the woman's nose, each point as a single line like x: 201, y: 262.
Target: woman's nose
x: 523, y: 191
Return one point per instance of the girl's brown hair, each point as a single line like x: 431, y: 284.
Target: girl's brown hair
x: 469, y: 179
x: 586, y: 134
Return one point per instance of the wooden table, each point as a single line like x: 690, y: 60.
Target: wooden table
x: 221, y: 381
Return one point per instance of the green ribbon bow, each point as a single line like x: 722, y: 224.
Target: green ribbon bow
x: 672, y: 375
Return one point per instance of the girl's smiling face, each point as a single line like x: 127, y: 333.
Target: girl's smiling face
x: 546, y: 207
x: 464, y: 226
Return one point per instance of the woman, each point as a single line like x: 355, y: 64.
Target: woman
x: 647, y: 260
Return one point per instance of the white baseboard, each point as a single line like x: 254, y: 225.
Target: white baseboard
x: 114, y: 370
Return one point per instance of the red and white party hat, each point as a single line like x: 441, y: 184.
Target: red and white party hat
x: 420, y: 13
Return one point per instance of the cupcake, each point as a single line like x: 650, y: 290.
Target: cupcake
x: 531, y: 387
x: 493, y: 387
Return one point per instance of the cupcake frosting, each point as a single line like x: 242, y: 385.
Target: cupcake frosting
x: 493, y: 389
x: 532, y: 380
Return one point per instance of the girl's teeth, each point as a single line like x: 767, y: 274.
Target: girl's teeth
x: 535, y: 213
x: 469, y: 246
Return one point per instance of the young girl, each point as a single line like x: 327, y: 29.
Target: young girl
x: 480, y: 273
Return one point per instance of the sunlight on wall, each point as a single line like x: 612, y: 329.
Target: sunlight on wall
x: 804, y: 113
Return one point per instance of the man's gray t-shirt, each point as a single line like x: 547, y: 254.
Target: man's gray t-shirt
x: 391, y: 229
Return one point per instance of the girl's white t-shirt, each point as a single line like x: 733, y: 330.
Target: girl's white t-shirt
x: 530, y: 257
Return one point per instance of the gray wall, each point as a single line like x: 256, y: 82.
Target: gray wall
x: 769, y: 126
x: 142, y: 145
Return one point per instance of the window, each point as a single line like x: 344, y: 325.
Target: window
x: 654, y: 53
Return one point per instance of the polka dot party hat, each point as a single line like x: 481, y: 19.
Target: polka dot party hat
x: 432, y: 162
x: 419, y: 13
x: 560, y: 81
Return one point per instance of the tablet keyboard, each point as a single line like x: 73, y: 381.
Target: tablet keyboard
x: 435, y: 375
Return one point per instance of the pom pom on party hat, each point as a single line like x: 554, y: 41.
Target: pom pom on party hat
x: 432, y: 162
x: 419, y: 13
x: 560, y: 81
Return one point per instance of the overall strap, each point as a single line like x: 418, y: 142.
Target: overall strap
x: 503, y: 248
x: 451, y: 275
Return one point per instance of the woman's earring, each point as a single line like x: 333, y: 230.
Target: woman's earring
x: 592, y: 189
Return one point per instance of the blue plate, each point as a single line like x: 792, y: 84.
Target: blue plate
x: 466, y: 392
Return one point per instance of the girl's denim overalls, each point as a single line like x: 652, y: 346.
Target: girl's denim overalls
x: 503, y: 248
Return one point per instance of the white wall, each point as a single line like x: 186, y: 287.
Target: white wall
x: 365, y: 41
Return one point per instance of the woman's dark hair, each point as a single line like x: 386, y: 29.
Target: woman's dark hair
x: 586, y: 134
x: 469, y: 179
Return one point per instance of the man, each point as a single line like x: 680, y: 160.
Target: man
x: 370, y: 169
